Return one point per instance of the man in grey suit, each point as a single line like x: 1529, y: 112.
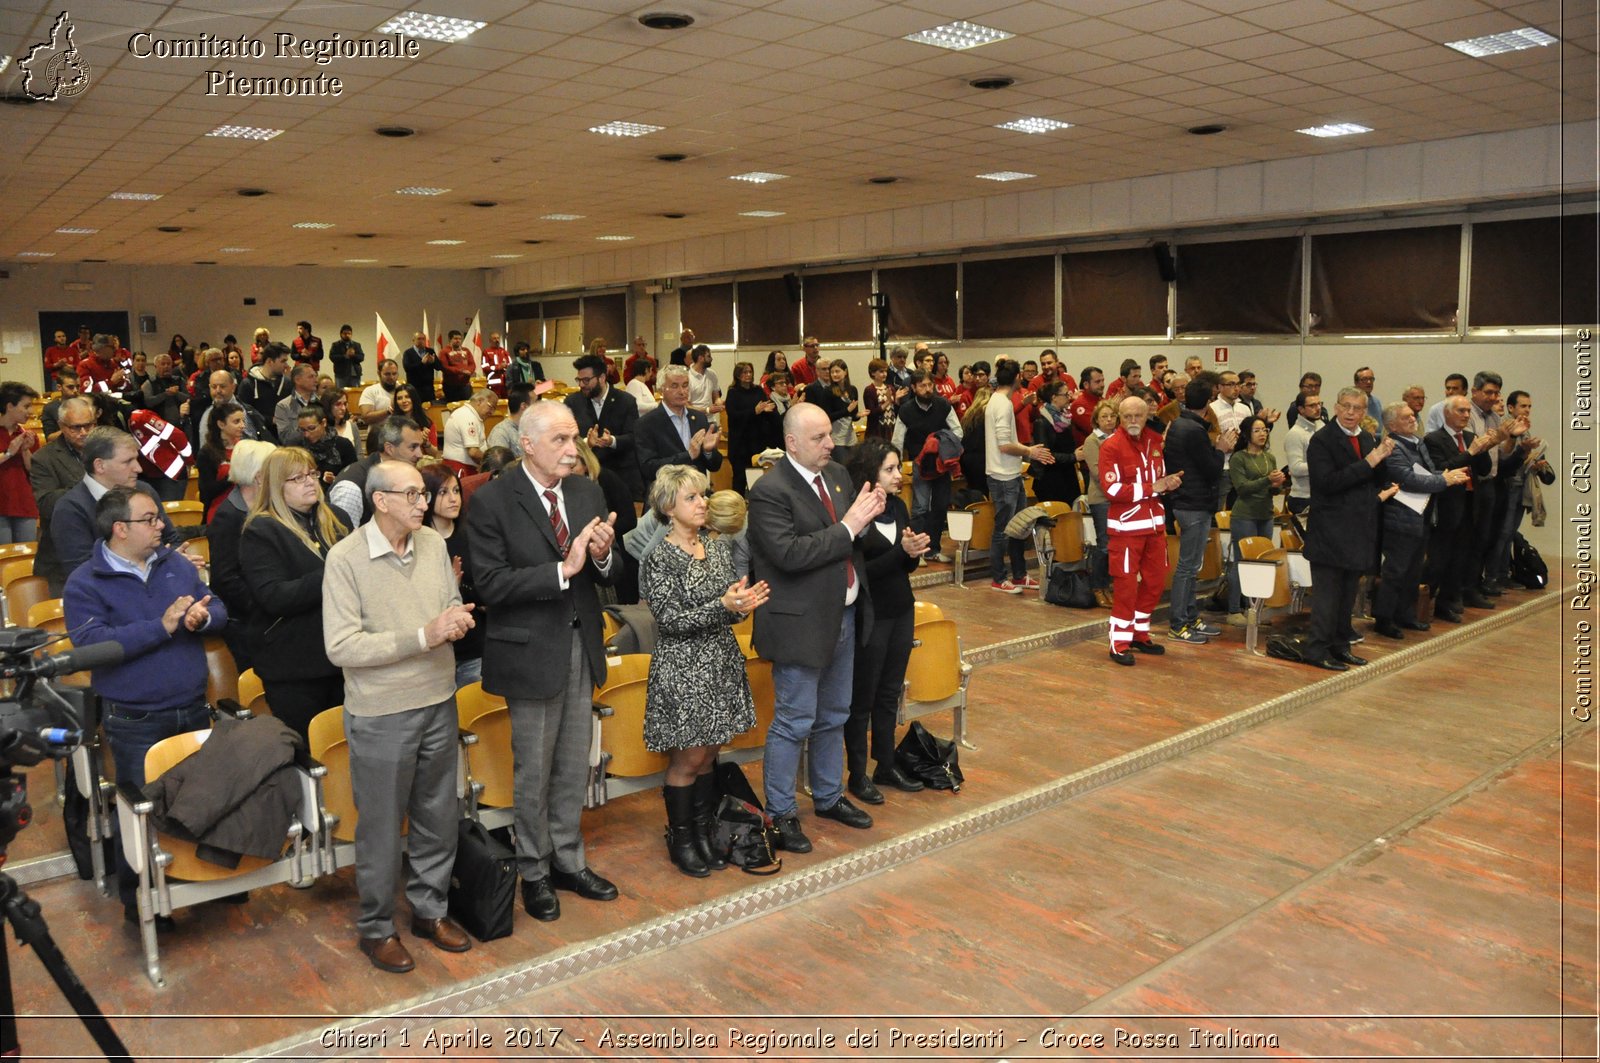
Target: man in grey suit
x: 674, y: 434
x: 804, y: 543
x: 541, y: 539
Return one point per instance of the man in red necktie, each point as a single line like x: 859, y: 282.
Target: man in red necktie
x: 1454, y: 446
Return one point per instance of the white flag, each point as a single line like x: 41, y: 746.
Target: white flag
x: 474, y: 339
x: 387, y: 347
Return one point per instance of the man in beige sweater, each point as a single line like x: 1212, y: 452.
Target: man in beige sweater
x: 390, y: 609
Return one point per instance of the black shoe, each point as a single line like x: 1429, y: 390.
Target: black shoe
x: 1415, y: 625
x: 585, y: 883
x: 539, y: 900
x: 1476, y: 601
x: 844, y: 812
x: 1154, y: 649
x: 791, y: 839
x: 1490, y: 589
x: 891, y: 775
x: 1449, y: 616
x: 1123, y: 658
x: 684, y: 853
x: 164, y: 923
x: 1388, y: 630
x: 1329, y: 664
x: 1348, y: 658
x: 862, y: 787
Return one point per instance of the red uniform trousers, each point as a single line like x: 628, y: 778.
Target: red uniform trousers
x: 1138, y: 576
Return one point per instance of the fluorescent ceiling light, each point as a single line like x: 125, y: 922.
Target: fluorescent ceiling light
x: 761, y: 214
x: 142, y: 197
x: 69, y: 230
x: 626, y: 129
x: 1007, y: 175
x: 235, y: 250
x: 244, y: 132
x: 432, y: 27
x: 758, y: 177
x: 1496, y: 43
x: 446, y: 243
x: 560, y: 217
x: 360, y: 260
x: 613, y: 238
x: 36, y: 254
x: 1033, y: 125
x: 958, y: 36
x: 313, y: 225
x: 1334, y: 129
x: 505, y: 256
x: 420, y: 190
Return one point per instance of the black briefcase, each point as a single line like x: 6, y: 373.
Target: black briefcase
x: 483, y: 884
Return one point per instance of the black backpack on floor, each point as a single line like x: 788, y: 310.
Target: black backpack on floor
x: 1527, y: 567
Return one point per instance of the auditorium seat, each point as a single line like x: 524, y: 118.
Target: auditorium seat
x: 185, y: 514
x: 937, y: 676
x: 22, y: 594
x: 252, y: 694
x: 488, y: 761
x: 625, y: 766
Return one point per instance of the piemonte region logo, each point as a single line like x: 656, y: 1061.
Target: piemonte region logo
x: 55, y: 69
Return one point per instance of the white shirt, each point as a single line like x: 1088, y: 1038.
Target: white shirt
x: 561, y: 503
x: 703, y: 388
x: 1000, y: 428
x: 642, y: 394
x: 840, y: 505
x: 463, y: 429
x: 376, y: 399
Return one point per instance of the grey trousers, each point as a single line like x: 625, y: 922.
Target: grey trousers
x: 401, y: 765
x: 550, y: 770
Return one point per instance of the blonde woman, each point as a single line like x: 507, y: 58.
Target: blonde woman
x: 281, y: 552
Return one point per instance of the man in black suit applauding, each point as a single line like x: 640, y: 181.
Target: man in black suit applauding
x: 804, y: 532
x: 673, y: 434
x: 1452, y: 446
x: 606, y: 419
x: 541, y: 539
x: 1342, y: 540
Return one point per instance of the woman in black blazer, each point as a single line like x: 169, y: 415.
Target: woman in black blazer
x: 892, y: 551
x: 281, y: 552
x: 1052, y: 429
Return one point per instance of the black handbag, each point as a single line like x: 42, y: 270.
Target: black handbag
x: 745, y: 836
x: 931, y: 760
x: 1069, y: 585
x: 483, y: 883
x: 1287, y: 648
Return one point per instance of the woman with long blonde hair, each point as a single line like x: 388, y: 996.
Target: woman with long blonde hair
x: 281, y: 552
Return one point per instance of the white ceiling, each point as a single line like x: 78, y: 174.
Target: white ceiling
x: 825, y: 91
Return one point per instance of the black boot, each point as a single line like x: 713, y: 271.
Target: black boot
x: 706, y: 800
x: 680, y: 830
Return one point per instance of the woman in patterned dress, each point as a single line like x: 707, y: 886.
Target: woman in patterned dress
x: 698, y: 696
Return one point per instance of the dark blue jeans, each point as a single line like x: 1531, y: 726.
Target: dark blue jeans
x: 1194, y: 529
x: 130, y: 734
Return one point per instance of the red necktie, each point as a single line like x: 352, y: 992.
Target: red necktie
x: 1355, y: 445
x: 1461, y: 445
x: 556, y: 523
x: 827, y: 504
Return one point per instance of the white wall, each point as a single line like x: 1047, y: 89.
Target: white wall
x: 207, y: 303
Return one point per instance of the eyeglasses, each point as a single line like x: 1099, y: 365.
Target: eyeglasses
x: 302, y: 478
x: 151, y: 519
x: 412, y: 495
x: 77, y: 427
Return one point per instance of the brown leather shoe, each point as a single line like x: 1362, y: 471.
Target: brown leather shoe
x: 445, y: 933
x: 388, y: 954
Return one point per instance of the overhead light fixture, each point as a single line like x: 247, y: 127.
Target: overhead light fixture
x: 252, y: 193
x: 761, y: 214
x: 758, y: 177
x: 169, y: 228
x: 432, y: 27
x: 1334, y: 129
x: 313, y: 225
x: 235, y: 250
x: 69, y: 230
x: 205, y: 262
x: 885, y: 180
x: 505, y: 256
x: 958, y: 36
x: 244, y: 132
x: 626, y: 129
x: 560, y: 217
x: 1500, y: 43
x: 420, y: 190
x: 614, y: 238
x: 992, y: 82
x: 673, y: 215
x: 1210, y: 129
x: 142, y: 197
x: 671, y: 156
x: 395, y: 131
x: 1033, y: 125
x: 445, y: 243
x: 485, y: 203
x: 1007, y: 175
x: 360, y: 261
x: 665, y: 20
x: 36, y: 254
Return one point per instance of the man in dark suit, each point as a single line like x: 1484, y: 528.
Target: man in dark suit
x: 421, y: 364
x: 804, y: 531
x: 541, y: 539
x: 606, y: 419
x: 1342, y: 540
x: 673, y: 434
x: 1455, y: 446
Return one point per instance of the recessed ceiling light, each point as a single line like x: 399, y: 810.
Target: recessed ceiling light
x: 205, y: 262
x: 958, y: 36
x: 485, y: 203
x: 613, y: 238
x: 252, y: 193
x: 445, y: 243
x: 432, y: 27
x: 671, y: 156
x: 359, y: 261
x: 560, y: 217
x: 143, y: 197
x: 169, y: 228
x: 1007, y: 175
x: 313, y: 225
x: 761, y: 214
x: 244, y: 132
x: 882, y: 180
x: 674, y: 215
x: 1210, y: 129
x: 235, y: 250
x: 533, y: 241
x: 70, y: 230
x: 1334, y: 129
x: 505, y: 256
x: 758, y: 177
x: 94, y: 260
x: 420, y: 190
x: 1033, y: 125
x: 992, y: 82
x: 398, y: 266
x: 36, y: 254
x: 1497, y: 43
x: 365, y: 236
x: 395, y: 131
x: 665, y: 20
x: 626, y: 129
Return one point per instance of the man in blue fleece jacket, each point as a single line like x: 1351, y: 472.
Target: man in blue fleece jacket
x: 149, y: 599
